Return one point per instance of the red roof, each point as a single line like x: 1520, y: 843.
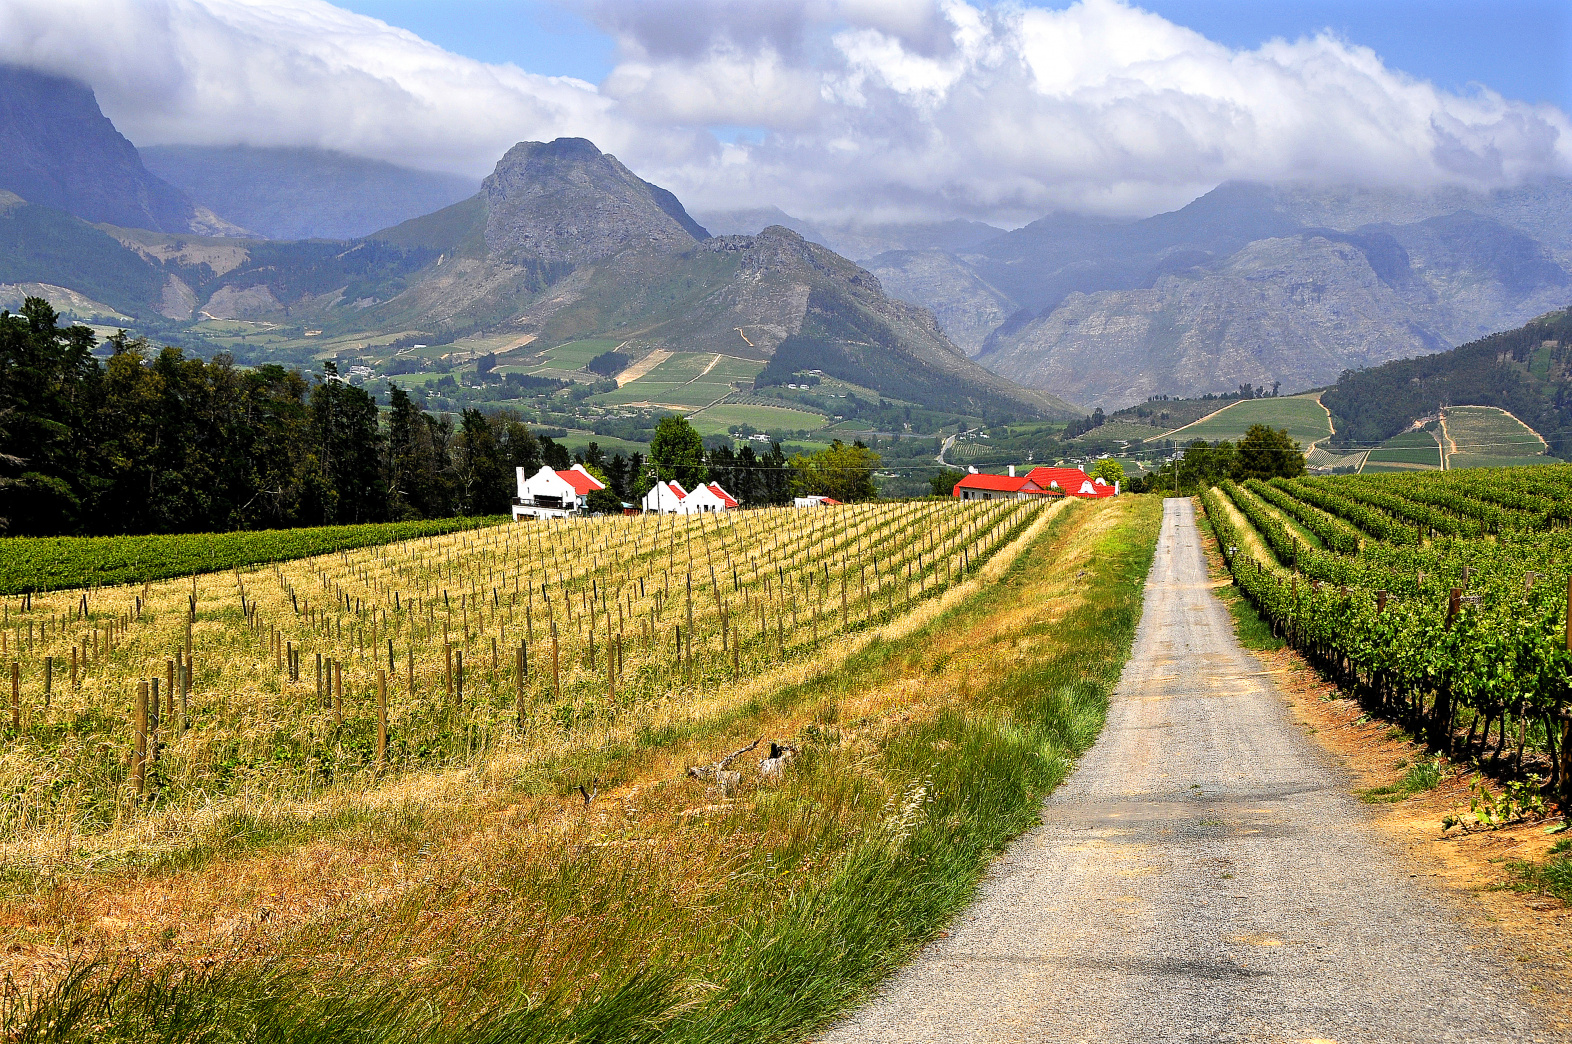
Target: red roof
x: 1072, y: 481
x: 726, y: 498
x: 582, y: 482
x: 999, y: 483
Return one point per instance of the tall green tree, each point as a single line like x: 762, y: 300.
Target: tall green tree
x: 345, y: 463
x: 1265, y: 454
x: 48, y: 385
x: 417, y: 483
x: 842, y: 472
x: 677, y: 452
x: 479, y: 476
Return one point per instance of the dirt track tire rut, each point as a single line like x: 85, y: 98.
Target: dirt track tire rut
x: 1204, y: 875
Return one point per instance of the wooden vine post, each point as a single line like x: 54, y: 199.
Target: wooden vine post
x: 521, y: 667
x: 556, y: 666
x: 382, y: 718
x: 16, y: 698
x: 139, y: 741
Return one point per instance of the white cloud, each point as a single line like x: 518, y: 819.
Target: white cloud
x: 297, y: 72
x: 862, y: 107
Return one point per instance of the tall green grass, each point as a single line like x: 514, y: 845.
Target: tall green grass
x: 850, y: 867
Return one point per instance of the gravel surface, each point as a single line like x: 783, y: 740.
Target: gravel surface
x: 1204, y: 875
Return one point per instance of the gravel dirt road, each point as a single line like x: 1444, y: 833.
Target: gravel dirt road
x: 1204, y: 875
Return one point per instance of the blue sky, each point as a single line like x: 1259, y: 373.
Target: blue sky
x: 1522, y: 48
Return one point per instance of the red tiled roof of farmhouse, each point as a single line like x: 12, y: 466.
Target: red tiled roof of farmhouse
x: 581, y: 481
x: 726, y: 498
x: 998, y: 483
x: 1073, y: 481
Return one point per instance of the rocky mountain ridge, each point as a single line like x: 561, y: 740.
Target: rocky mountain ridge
x: 1247, y: 283
x: 58, y: 150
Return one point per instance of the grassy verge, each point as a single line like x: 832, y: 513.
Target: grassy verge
x: 1552, y: 877
x: 55, y: 563
x: 664, y: 909
x: 1250, y: 627
x: 1424, y: 774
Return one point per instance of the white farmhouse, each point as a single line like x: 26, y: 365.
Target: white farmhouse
x: 708, y: 497
x: 664, y: 498
x: 554, y: 494
x: 669, y: 498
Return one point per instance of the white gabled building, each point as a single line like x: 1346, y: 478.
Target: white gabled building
x: 708, y: 497
x: 669, y: 498
x: 554, y: 494
x: 664, y: 498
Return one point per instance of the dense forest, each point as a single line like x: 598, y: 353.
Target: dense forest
x: 152, y: 441
x: 1524, y: 371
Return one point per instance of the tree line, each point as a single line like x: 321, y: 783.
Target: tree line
x: 1261, y: 454
x: 150, y: 440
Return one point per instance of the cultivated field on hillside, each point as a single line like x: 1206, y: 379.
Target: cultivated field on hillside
x: 1406, y: 452
x: 689, y: 379
x: 1302, y: 415
x: 1483, y: 436
x: 1441, y: 598
x: 478, y: 821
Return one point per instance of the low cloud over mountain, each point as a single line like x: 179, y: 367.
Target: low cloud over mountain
x: 899, y: 110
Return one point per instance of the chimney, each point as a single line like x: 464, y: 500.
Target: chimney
x: 1012, y: 470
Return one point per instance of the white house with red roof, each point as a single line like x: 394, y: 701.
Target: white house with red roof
x: 708, y: 497
x: 1039, y: 482
x: 1072, y: 482
x: 664, y: 498
x: 669, y: 498
x: 550, y: 493
x: 996, y: 487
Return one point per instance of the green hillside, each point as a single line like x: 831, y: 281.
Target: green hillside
x: 41, y: 245
x: 1302, y: 415
x: 1524, y: 371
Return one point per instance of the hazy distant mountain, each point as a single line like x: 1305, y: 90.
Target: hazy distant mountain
x: 1247, y: 283
x: 561, y: 204
x: 57, y: 149
x: 1297, y: 308
x: 755, y: 220
x: 303, y: 193
x: 859, y: 241
x: 968, y: 308
x: 565, y: 242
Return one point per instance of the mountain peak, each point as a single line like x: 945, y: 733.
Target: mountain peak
x: 564, y: 203
x: 58, y: 149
